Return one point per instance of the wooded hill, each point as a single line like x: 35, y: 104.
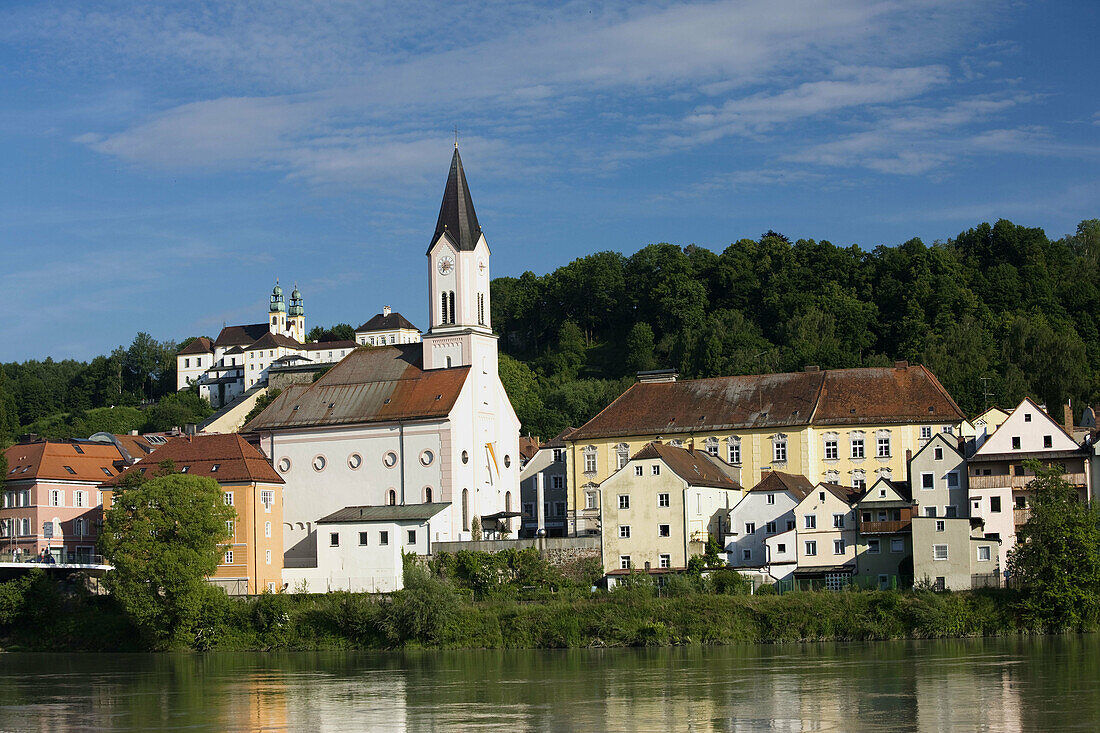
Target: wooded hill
x: 1001, y: 309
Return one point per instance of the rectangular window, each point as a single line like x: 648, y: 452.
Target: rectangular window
x: 624, y: 501
x: 664, y: 561
x: 1015, y: 442
x: 951, y: 511
x: 790, y: 524
x: 559, y: 455
x: 267, y: 498
x: 334, y: 539
x: 229, y: 529
x: 735, y: 452
x: 557, y: 482
x: 712, y: 448
x: 953, y: 480
x: 55, y: 497
x: 832, y: 452
x: 590, y: 462
x: 559, y: 508
x: 925, y: 432
x: 838, y: 521
x: 363, y: 539
x: 267, y: 556
x: 780, y: 548
x: 1048, y: 441
x: 229, y: 498
x: 838, y: 547
x: 664, y: 530
x: 810, y: 521
x: 746, y: 554
x: 214, y: 468
x: 624, y: 562
x: 873, y: 547
x: 638, y: 471
x: 383, y: 538
x: 941, y: 526
x: 983, y: 553
x: 937, y: 453
x: 656, y: 469
x: 779, y: 451
x: 939, y: 552
x: 750, y: 527
x: 1027, y: 417
x: 770, y: 499
x: 267, y: 529
x: 228, y: 557
x: 70, y: 470
x: 411, y: 538
x: 662, y: 500
x: 624, y: 531
x: 623, y: 458
x: 79, y: 499
x: 589, y: 501
x: 883, y: 448
x: 770, y: 528
x: 994, y: 503
x: 927, y: 481
x: 897, y: 545
x: 857, y: 447
x: 811, y: 548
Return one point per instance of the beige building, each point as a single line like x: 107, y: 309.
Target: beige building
x: 842, y: 426
x: 953, y: 554
x: 825, y: 525
x: 661, y: 507
x: 387, y: 329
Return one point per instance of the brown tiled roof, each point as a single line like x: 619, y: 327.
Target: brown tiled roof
x: 273, y: 341
x: 201, y: 345
x: 558, y: 441
x: 48, y: 460
x: 795, y: 483
x: 241, y: 335
x: 236, y: 460
x: 370, y: 385
x: 330, y: 345
x: 846, y: 494
x: 834, y: 397
x: 528, y: 447
x: 695, y: 467
x: 380, y: 322
x: 139, y: 446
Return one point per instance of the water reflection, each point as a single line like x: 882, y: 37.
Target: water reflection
x: 1008, y: 684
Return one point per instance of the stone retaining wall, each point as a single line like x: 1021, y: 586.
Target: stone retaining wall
x: 555, y: 550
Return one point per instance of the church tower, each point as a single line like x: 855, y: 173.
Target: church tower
x: 276, y: 315
x: 296, y: 321
x: 460, y: 332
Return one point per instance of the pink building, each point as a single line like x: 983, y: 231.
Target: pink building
x: 51, y: 498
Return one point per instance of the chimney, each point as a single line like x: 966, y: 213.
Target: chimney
x: 1067, y: 412
x: 811, y: 368
x: 133, y: 432
x: 902, y: 364
x: 385, y: 310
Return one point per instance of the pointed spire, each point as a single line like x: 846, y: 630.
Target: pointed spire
x: 456, y: 214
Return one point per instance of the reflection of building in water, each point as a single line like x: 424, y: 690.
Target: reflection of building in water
x: 266, y: 701
x: 352, y: 699
x: 968, y: 695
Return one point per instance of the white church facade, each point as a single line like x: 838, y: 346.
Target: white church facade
x: 403, y: 424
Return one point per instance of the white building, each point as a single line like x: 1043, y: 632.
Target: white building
x: 409, y: 423
x: 386, y: 329
x: 240, y: 357
x: 766, y: 509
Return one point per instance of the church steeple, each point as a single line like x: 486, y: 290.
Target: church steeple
x: 457, y: 218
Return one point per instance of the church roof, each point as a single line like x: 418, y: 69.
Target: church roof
x: 201, y: 345
x: 457, y: 218
x: 383, y: 384
x: 241, y: 335
x: 273, y: 340
x: 390, y: 322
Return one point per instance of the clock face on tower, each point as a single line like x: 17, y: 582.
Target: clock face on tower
x: 446, y: 264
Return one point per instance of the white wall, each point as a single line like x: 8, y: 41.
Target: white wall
x: 754, y: 508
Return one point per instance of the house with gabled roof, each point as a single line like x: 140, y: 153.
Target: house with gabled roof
x: 884, y: 550
x: 998, y: 479
x: 825, y: 531
x: 765, y: 510
x: 662, y: 507
x: 542, y: 489
x: 842, y: 426
x: 412, y: 423
x: 387, y: 328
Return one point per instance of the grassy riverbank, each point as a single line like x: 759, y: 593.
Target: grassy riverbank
x: 432, y: 614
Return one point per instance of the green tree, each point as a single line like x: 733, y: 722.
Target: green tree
x: 261, y: 403
x: 176, y: 410
x: 339, y: 332
x: 164, y: 536
x: 1056, y: 559
x: 639, y: 349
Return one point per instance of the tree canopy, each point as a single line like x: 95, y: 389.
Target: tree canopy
x: 164, y: 535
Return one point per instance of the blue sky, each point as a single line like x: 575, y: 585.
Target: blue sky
x: 163, y: 163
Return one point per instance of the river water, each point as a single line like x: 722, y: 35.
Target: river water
x: 1040, y: 684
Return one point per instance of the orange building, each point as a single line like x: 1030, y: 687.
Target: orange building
x: 253, y: 560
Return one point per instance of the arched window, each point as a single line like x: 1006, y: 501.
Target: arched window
x: 451, y: 303
x: 392, y: 498
x: 427, y: 494
x: 507, y: 501
x: 734, y: 444
x: 590, y: 459
x: 622, y: 450
x: 481, y: 308
x: 443, y: 317
x: 465, y: 510
x: 711, y: 446
x: 779, y: 448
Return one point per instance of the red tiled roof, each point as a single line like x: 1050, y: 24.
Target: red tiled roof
x: 878, y: 395
x: 695, y: 467
x: 236, y: 460
x: 201, y: 345
x: 796, y: 484
x: 273, y: 341
x: 241, y: 335
x: 370, y: 385
x: 53, y: 461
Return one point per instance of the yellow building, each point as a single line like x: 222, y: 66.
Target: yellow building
x: 253, y: 559
x: 662, y: 507
x: 842, y: 426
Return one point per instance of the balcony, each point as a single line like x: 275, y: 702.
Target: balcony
x: 887, y: 527
x: 1021, y: 515
x: 1004, y: 481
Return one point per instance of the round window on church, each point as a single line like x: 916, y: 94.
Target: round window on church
x: 465, y: 457
x: 319, y: 463
x: 507, y: 461
x: 389, y: 459
x: 283, y: 464
x: 355, y: 461
x: 427, y: 457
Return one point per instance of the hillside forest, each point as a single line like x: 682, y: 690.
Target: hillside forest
x: 998, y: 312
